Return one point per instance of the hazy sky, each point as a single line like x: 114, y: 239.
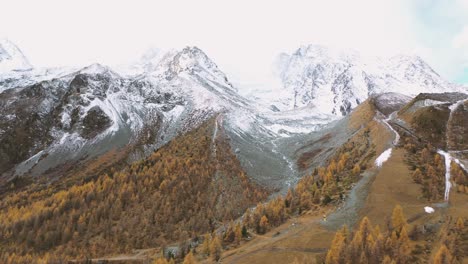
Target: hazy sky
x: 241, y: 36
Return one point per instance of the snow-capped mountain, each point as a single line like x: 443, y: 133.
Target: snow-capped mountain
x: 336, y: 81
x: 87, y: 112
x: 11, y: 57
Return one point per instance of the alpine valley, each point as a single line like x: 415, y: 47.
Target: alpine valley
x: 352, y: 159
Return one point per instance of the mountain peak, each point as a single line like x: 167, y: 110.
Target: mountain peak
x: 190, y: 57
x: 337, y: 80
x: 11, y: 57
x: 96, y: 68
x: 194, y: 61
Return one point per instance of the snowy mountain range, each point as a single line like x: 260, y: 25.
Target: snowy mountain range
x: 54, y: 116
x: 70, y: 114
x: 336, y: 81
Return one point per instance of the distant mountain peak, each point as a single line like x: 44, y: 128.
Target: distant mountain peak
x: 11, y: 57
x: 191, y: 57
x: 336, y: 80
x: 97, y: 68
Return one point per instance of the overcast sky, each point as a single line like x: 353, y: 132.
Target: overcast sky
x: 241, y: 36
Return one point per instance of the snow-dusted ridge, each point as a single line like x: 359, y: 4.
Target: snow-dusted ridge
x: 91, y: 110
x: 86, y: 112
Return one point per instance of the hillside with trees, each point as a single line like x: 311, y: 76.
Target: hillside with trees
x: 184, y: 189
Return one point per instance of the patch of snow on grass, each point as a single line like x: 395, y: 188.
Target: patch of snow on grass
x: 429, y: 209
x: 383, y: 157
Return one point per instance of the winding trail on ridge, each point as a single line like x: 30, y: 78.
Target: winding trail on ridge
x: 446, y: 154
x: 397, y: 136
x: 384, y: 156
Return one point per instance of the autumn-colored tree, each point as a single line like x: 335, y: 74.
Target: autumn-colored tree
x: 425, y: 155
x: 438, y: 162
x: 288, y: 200
x: 417, y: 176
x: 388, y: 260
x: 459, y: 176
x: 443, y: 256
x: 356, y: 246
x: 335, y: 254
x: 363, y: 259
x: 332, y: 167
x: 329, y: 176
x: 263, y: 225
x: 378, y: 249
x: 305, y: 201
x: 215, y: 249
x: 160, y: 261
x: 343, y: 160
x: 345, y: 231
x: 398, y: 219
x: 365, y: 230
x: 229, y: 235
x: 238, y: 233
x: 356, y: 170
x: 404, y: 248
x: 189, y: 259
x: 205, y: 247
x: 460, y: 224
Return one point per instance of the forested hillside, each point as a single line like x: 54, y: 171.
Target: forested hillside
x: 182, y: 190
